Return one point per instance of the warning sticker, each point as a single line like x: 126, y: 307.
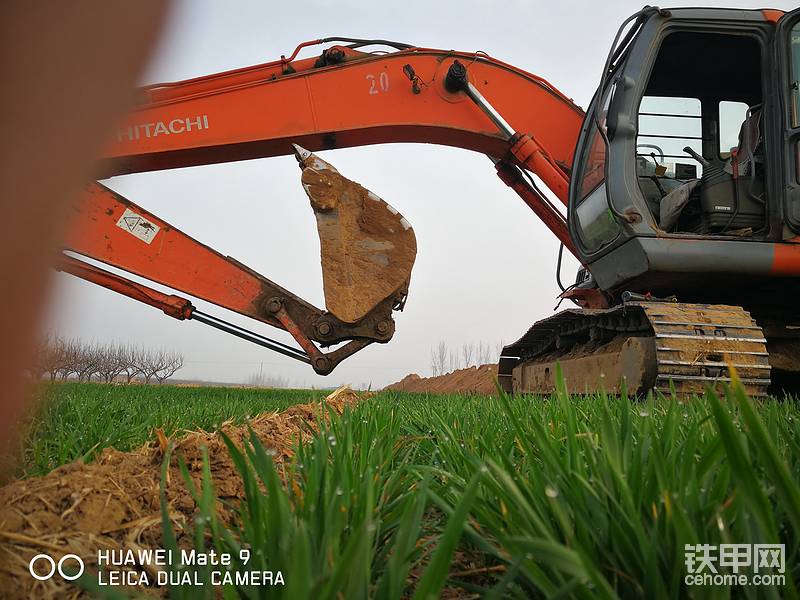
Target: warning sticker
x: 138, y: 226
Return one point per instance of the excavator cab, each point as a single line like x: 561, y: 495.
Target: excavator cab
x: 674, y: 187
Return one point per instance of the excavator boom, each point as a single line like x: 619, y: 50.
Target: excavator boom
x: 343, y: 97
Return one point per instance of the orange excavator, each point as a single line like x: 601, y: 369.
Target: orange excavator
x: 677, y: 190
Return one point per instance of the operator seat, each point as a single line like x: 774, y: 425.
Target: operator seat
x: 743, y: 159
x: 732, y: 200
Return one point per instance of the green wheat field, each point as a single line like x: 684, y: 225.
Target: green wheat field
x: 407, y: 496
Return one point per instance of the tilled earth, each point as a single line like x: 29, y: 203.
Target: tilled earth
x: 113, y: 502
x: 473, y: 380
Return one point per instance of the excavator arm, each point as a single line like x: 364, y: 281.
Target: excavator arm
x: 341, y: 98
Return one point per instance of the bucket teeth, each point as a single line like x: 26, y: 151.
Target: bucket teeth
x: 309, y: 160
x: 301, y: 153
x: 367, y: 248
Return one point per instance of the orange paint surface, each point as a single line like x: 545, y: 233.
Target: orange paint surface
x: 786, y: 260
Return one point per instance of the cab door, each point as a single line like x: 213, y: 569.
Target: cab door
x: 786, y: 53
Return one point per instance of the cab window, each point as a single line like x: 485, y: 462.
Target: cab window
x: 731, y: 116
x: 794, y: 53
x: 594, y: 171
x: 699, y: 153
x: 596, y: 225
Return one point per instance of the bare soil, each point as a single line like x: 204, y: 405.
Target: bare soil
x: 113, y: 503
x: 473, y: 380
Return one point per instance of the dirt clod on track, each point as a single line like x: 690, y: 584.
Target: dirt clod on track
x: 473, y: 380
x: 113, y: 503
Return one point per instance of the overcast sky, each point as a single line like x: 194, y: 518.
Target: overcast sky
x: 485, y: 266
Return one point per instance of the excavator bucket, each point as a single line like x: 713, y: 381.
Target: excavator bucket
x: 367, y: 248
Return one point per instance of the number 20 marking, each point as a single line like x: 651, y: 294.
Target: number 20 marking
x: 378, y: 84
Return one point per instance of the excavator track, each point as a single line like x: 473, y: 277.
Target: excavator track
x: 663, y: 346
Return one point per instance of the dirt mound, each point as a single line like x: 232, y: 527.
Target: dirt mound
x: 113, y: 503
x: 475, y: 380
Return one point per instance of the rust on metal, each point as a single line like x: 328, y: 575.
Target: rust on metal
x: 660, y: 346
x: 367, y: 247
x: 626, y: 362
x: 322, y: 363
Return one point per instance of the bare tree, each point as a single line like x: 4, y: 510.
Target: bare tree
x: 46, y: 358
x: 59, y: 357
x: 111, y: 362
x: 467, y: 354
x: 453, y: 362
x: 148, y: 362
x: 130, y: 362
x: 104, y: 362
x: 69, y: 359
x: 87, y: 362
x: 267, y: 381
x: 170, y: 362
x: 120, y: 361
x: 484, y: 353
x: 140, y: 364
x: 439, y: 358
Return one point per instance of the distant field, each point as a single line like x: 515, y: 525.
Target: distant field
x: 571, y: 497
x: 76, y: 420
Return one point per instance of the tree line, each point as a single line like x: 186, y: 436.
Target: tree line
x: 445, y: 360
x: 62, y: 359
